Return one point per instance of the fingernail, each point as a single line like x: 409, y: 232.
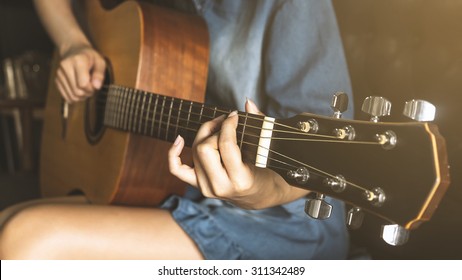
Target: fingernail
x: 232, y: 114
x: 97, y: 83
x: 251, y: 103
x: 177, y: 140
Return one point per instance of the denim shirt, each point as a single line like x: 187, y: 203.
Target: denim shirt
x: 287, y: 56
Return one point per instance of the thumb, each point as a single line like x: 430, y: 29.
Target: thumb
x: 251, y: 108
x: 98, y: 71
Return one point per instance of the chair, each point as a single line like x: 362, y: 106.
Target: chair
x: 22, y: 98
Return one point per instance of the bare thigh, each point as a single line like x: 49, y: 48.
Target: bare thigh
x: 84, y: 231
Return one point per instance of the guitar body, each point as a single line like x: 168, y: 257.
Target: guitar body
x: 149, y: 48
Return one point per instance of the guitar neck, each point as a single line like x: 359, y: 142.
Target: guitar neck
x: 164, y: 117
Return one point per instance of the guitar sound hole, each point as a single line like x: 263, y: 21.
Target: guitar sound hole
x: 95, y: 109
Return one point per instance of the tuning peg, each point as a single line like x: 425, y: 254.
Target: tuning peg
x: 355, y: 217
x: 339, y: 103
x: 318, y: 208
x: 376, y: 106
x: 395, y: 235
x: 419, y: 110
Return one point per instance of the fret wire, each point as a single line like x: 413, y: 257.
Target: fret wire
x: 154, y: 115
x: 117, y: 97
x: 112, y: 104
x: 120, y: 108
x: 108, y: 107
x: 117, y: 108
x: 169, y: 116
x: 134, y: 109
x: 214, y: 112
x: 135, y: 116
x: 139, y: 112
x: 106, y: 113
x: 201, y: 113
x: 106, y: 116
x: 178, y: 118
x: 131, y: 108
x: 161, y: 116
x: 128, y: 108
x: 243, y: 130
x: 189, y: 113
x: 124, y: 105
x: 142, y: 112
x: 147, y: 114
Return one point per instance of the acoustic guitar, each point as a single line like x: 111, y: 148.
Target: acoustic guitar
x: 113, y: 147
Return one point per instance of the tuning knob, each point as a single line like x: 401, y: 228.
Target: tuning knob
x: 395, y: 234
x: 355, y: 217
x: 318, y: 208
x: 339, y: 104
x: 419, y: 110
x: 377, y: 107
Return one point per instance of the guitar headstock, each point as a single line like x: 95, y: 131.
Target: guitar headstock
x: 397, y: 171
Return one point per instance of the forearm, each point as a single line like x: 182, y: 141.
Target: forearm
x: 59, y: 21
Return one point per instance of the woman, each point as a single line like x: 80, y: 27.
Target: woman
x: 284, y: 55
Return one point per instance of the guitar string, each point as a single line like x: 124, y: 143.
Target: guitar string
x: 172, y: 99
x: 336, y: 139
x: 250, y: 116
x: 178, y: 112
x: 296, y: 161
x: 324, y: 173
x: 297, y: 131
x: 327, y: 174
x: 174, y: 120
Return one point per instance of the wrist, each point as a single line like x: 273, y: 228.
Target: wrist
x: 72, y: 43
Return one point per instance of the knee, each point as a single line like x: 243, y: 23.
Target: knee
x: 29, y: 234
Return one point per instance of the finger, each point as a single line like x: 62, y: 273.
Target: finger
x: 69, y: 78
x: 209, y: 170
x: 250, y: 107
x: 98, y: 73
x: 63, y: 92
x: 230, y: 151
x: 81, y: 68
x: 63, y: 86
x: 208, y: 128
x: 182, y: 171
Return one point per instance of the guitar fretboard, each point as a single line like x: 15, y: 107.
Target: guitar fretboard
x: 164, y: 117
